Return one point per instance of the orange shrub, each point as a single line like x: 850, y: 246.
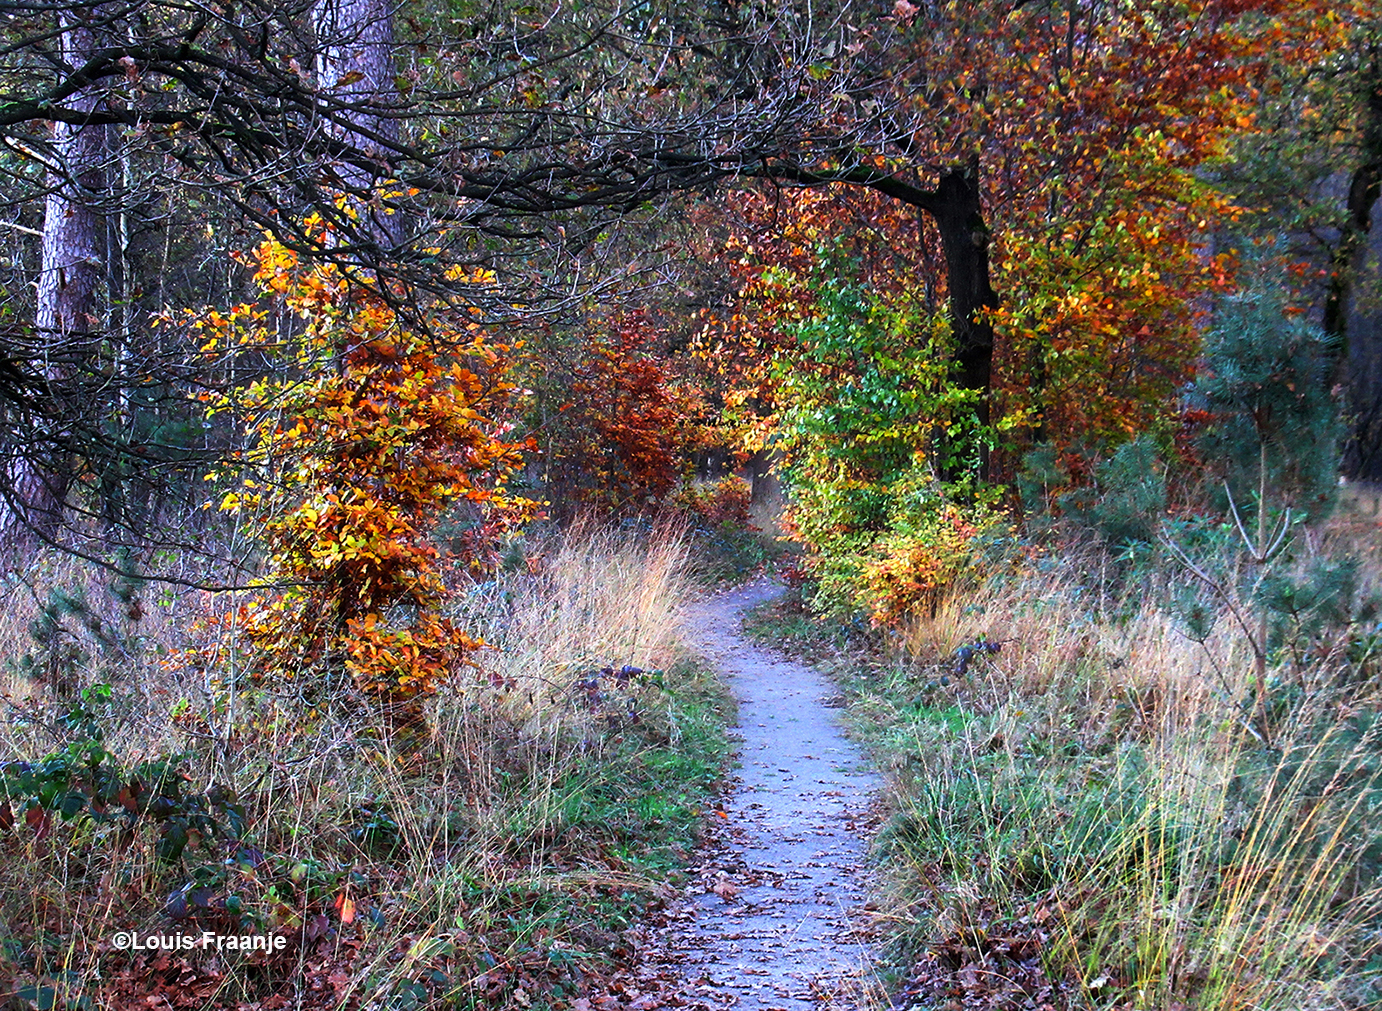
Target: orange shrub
x: 359, y: 436
x: 912, y: 570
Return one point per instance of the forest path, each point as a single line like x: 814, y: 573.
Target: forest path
x: 779, y: 922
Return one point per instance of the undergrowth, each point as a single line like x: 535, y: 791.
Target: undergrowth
x: 1095, y: 805
x: 495, y: 856
x: 727, y: 546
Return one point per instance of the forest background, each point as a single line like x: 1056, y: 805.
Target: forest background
x: 334, y: 331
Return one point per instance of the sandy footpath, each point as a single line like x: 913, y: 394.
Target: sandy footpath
x: 777, y: 918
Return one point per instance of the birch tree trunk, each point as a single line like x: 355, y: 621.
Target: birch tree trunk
x: 69, y: 280
x: 355, y: 67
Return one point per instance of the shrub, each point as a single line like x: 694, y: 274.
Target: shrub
x: 727, y: 544
x: 882, y: 447
x: 1121, y: 496
x: 351, y: 459
x: 616, y: 442
x: 716, y: 504
x: 911, y: 569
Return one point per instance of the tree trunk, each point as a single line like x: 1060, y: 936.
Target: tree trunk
x: 355, y: 67
x: 1365, y: 185
x: 1359, y: 330
x: 965, y: 241
x: 69, y: 279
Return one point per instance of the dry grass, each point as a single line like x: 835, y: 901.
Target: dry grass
x: 504, y: 849
x: 1097, y: 797
x: 99, y: 642
x: 594, y: 598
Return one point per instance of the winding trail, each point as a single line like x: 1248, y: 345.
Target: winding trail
x: 779, y: 922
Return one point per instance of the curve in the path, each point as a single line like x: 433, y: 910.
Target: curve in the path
x: 781, y: 928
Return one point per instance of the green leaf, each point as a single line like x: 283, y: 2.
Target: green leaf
x: 72, y: 805
x: 44, y: 998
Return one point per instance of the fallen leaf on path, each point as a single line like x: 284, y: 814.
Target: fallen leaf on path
x: 725, y: 888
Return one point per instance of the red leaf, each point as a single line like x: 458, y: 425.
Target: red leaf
x: 38, y: 820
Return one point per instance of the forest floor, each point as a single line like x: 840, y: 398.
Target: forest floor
x: 776, y: 915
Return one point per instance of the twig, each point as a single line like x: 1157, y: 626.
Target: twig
x: 1214, y: 585
x: 1277, y: 540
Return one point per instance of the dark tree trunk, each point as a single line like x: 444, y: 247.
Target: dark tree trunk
x: 965, y: 241
x: 1364, y: 188
x: 1358, y: 330
x: 70, y: 278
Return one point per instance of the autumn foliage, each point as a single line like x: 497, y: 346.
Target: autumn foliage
x: 624, y: 420
x: 1091, y: 133
x: 912, y: 569
x: 365, y: 432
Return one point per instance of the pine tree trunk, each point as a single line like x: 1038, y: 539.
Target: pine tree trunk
x: 69, y: 280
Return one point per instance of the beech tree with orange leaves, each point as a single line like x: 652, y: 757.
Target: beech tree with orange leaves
x: 1053, y: 152
x: 359, y: 437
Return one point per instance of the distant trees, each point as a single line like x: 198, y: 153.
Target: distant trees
x: 1310, y: 175
x: 193, y: 129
